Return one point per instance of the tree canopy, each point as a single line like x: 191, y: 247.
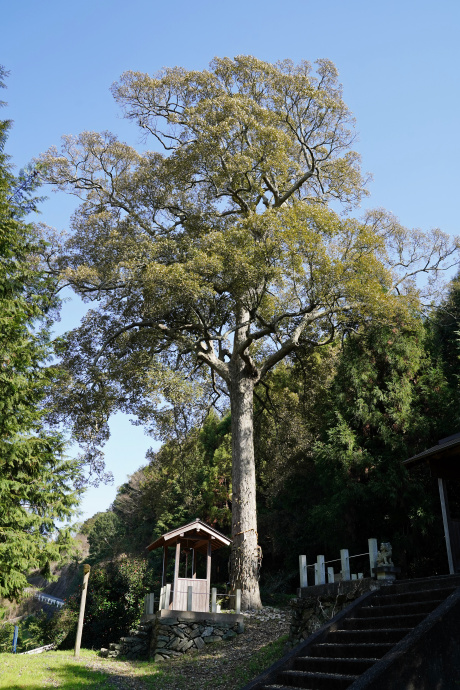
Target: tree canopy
x: 211, y: 261
x: 35, y: 477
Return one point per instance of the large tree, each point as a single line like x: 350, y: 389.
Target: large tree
x: 213, y: 259
x: 35, y: 478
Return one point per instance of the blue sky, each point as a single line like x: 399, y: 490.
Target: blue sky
x: 398, y: 62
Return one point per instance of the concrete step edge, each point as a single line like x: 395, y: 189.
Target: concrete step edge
x: 320, y: 676
x: 337, y: 658
x: 368, y: 631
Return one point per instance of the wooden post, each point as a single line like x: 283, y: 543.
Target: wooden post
x: 193, y: 564
x: 303, y: 571
x: 238, y: 601
x: 345, y: 564
x: 176, y: 578
x: 165, y: 564
x: 354, y: 576
x: 86, y: 571
x: 190, y: 598
x: 162, y: 597
x: 373, y: 551
x: 445, y: 518
x: 360, y: 576
x: 213, y: 600
x: 330, y: 574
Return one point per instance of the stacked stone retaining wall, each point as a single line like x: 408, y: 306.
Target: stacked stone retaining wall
x: 136, y: 645
x: 174, y: 635
x: 317, y: 605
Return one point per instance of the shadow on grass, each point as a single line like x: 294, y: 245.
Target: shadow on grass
x: 66, y: 676
x: 191, y: 672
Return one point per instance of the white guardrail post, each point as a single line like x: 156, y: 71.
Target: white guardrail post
x: 303, y: 571
x: 373, y: 551
x: 238, y: 601
x: 167, y: 596
x: 150, y: 604
x: 345, y: 561
x: 213, y: 600
x: 321, y: 567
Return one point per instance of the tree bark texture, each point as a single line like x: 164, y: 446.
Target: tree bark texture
x: 246, y: 554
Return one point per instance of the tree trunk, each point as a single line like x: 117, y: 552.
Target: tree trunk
x: 245, y: 558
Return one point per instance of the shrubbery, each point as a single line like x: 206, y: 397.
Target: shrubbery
x: 114, y: 603
x: 33, y: 632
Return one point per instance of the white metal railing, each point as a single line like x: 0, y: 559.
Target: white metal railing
x: 48, y: 599
x: 39, y: 650
x: 320, y: 571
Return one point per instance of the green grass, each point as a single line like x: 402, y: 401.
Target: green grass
x: 50, y: 669
x: 62, y: 670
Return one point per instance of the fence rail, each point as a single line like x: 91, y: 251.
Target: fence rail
x: 39, y: 650
x: 166, y: 597
x: 320, y: 571
x: 48, y: 599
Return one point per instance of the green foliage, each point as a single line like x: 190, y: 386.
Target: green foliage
x: 446, y: 335
x: 114, y: 603
x: 33, y: 631
x: 185, y: 479
x: 6, y: 636
x: 62, y: 627
x: 35, y: 477
x: 105, y: 536
x: 288, y: 417
x: 216, y: 259
x: 388, y: 401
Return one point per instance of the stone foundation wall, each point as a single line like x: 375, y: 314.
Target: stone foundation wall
x: 317, y: 605
x: 136, y: 645
x: 172, y: 633
x: 172, y: 636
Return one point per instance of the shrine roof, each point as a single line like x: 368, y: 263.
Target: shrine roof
x: 195, y: 534
x: 443, y: 458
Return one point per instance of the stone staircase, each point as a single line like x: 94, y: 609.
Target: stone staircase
x: 367, y: 632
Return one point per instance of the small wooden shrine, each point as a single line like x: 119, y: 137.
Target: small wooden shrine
x: 444, y: 463
x: 189, y: 542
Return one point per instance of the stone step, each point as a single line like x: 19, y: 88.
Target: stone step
x: 439, y: 582
x: 343, y: 665
x: 399, y: 621
x: 424, y: 607
x: 389, y: 635
x: 316, y: 681
x: 409, y: 597
x: 363, y: 639
x: 359, y: 650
